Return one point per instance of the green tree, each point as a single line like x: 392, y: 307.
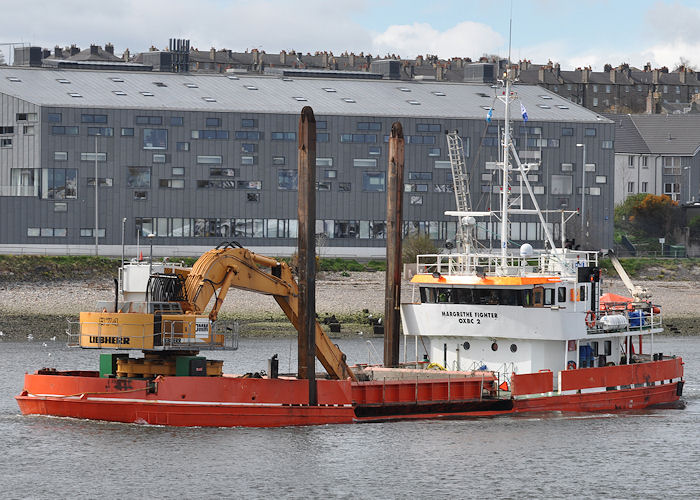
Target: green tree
x: 417, y: 244
x: 655, y: 214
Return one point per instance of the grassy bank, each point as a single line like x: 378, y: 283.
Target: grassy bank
x: 38, y: 268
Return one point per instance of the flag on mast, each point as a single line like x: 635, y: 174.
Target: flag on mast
x: 489, y: 115
x: 523, y: 111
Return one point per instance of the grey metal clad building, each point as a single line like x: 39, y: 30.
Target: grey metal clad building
x: 197, y: 159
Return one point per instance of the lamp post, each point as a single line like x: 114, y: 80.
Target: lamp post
x: 583, y: 190
x: 97, y: 183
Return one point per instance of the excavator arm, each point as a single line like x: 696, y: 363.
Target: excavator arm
x: 221, y: 269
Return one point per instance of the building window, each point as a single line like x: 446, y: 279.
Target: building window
x: 590, y: 167
x: 601, y: 179
x: 178, y: 171
x: 416, y: 199
x: 359, y: 138
x: 645, y: 161
x: 287, y: 180
x: 364, y: 162
x: 155, y: 138
x: 589, y: 132
x: 595, y: 88
x: 104, y: 131
x: 257, y: 185
x: 91, y: 157
x: 140, y: 195
x: 176, y: 121
x: 211, y: 134
x: 561, y: 185
x: 5, y: 142
x: 93, y: 118
x: 428, y: 127
x: 344, y: 187
x: 442, y: 164
x: 630, y: 187
x: 369, y: 126
x: 104, y: 181
x: 149, y: 120
x: 139, y: 177
x: 247, y: 160
x: 595, y: 101
x: 607, y: 89
x: 248, y: 123
x: 607, y: 144
x: 212, y: 122
x: 160, y: 158
x: 248, y: 148
x: 281, y: 160
x: 324, y: 186
x: 330, y: 174
x: 223, y: 172
x: 630, y: 161
x: 54, y: 117
x: 60, y: 130
x: 567, y: 167
x: 182, y: 146
x: 127, y: 132
x: 60, y: 206
x: 172, y: 183
x: 210, y: 160
x: 28, y: 129
x: 567, y: 131
x: 59, y: 183
x: 253, y: 197
x: 283, y: 136
x: 23, y: 182
x: 374, y: 150
x: 593, y: 191
x: 323, y: 137
x: 246, y: 135
x: 89, y: 232
x: 420, y: 176
x: 373, y: 181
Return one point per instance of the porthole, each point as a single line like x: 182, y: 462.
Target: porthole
x: 513, y: 348
x: 466, y: 346
x: 494, y: 346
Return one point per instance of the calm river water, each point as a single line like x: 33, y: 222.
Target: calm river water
x: 646, y: 454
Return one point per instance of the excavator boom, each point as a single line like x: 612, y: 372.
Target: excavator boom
x: 221, y: 269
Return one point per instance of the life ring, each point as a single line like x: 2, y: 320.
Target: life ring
x: 590, y: 319
x: 435, y: 366
x: 571, y: 365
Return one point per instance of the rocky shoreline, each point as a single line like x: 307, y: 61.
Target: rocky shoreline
x: 43, y: 309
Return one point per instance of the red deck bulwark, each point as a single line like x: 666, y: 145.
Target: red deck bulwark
x: 188, y: 401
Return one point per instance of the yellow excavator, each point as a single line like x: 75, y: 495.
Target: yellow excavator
x: 171, y: 322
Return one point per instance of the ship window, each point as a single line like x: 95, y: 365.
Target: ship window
x: 607, y: 346
x: 513, y: 348
x: 527, y: 298
x: 466, y: 346
x: 583, y: 292
x: 549, y: 296
x: 494, y: 346
x: 561, y: 294
x: 594, y: 346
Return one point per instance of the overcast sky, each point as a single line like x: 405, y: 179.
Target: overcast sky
x: 592, y: 32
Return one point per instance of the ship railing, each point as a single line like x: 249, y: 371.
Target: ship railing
x: 372, y: 354
x: 173, y: 335
x: 638, y: 320
x: 558, y: 262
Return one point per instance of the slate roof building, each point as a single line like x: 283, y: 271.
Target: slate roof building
x: 657, y: 154
x: 196, y: 159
